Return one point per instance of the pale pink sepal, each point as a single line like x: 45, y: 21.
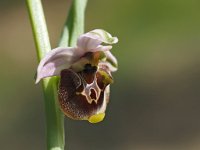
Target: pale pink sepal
x: 55, y: 61
x: 91, y: 40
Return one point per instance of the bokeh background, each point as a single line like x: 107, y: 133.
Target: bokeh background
x: 155, y: 99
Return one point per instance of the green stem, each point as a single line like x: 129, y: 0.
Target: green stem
x: 74, y: 25
x: 54, y: 118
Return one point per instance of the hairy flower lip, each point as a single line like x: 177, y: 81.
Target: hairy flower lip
x: 74, y: 94
x: 63, y: 58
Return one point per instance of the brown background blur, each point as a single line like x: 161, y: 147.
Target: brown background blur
x: 155, y: 99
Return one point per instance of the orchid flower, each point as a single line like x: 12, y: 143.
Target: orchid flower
x: 85, y: 75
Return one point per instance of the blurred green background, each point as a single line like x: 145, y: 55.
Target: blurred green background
x: 155, y: 98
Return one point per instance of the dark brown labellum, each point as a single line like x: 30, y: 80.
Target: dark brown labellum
x: 82, y: 94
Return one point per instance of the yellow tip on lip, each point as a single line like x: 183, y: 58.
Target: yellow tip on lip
x: 96, y: 118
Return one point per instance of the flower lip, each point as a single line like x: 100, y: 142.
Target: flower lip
x: 75, y: 99
x: 80, y: 98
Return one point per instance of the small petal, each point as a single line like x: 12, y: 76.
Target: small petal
x: 111, y: 58
x: 94, y: 38
x: 108, y: 65
x: 55, y: 61
x: 109, y: 61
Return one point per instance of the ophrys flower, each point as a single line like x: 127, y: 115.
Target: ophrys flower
x: 85, y: 72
